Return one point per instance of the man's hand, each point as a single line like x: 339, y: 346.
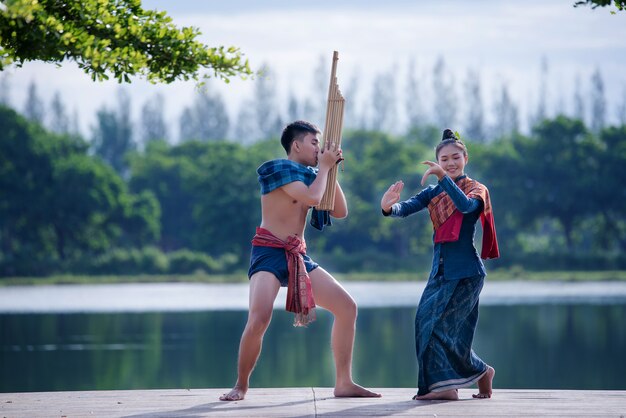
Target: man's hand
x: 330, y: 155
x: 435, y: 169
x: 391, y: 196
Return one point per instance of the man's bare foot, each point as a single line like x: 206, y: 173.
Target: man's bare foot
x: 352, y: 390
x: 485, y: 384
x: 446, y: 395
x: 236, y: 394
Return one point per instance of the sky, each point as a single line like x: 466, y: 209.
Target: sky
x: 505, y: 41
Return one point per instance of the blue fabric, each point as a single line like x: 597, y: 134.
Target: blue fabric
x: 274, y: 261
x: 460, y: 258
x: 276, y: 173
x: 447, y: 314
x: 445, y: 323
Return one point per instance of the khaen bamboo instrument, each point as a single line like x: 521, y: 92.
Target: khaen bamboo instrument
x: 332, y: 133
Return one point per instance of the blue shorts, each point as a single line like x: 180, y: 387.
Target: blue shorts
x: 274, y: 260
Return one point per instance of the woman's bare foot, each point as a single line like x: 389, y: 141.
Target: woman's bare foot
x: 446, y: 395
x: 485, y: 388
x: 236, y: 394
x: 352, y: 390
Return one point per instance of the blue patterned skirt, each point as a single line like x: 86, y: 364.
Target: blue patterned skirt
x: 444, y: 331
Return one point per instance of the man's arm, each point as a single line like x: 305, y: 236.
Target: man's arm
x: 311, y: 195
x: 341, y: 205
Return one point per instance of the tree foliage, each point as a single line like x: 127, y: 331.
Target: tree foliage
x: 556, y: 193
x: 57, y: 202
x: 114, y: 37
x: 206, y: 119
x: 113, y: 134
x: 619, y: 4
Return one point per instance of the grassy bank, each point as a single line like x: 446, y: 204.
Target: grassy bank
x: 499, y: 275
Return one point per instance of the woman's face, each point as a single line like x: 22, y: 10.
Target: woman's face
x: 452, y: 159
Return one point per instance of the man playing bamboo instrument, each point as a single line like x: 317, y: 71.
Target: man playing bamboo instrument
x: 289, y: 188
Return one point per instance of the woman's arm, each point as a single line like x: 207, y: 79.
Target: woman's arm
x: 463, y: 203
x: 391, y: 206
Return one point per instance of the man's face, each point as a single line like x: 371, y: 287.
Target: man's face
x: 309, y: 149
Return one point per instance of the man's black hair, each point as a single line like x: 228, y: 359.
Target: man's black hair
x: 296, y: 130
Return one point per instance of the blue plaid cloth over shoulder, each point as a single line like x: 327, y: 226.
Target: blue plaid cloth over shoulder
x: 276, y: 173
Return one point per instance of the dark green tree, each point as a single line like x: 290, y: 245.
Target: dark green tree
x: 445, y: 103
x: 227, y: 208
x: 557, y: 163
x: 34, y: 107
x: 598, y: 102
x: 265, y: 102
x: 5, y: 90
x: 542, y: 103
x: 58, y: 202
x: 475, y: 119
x: 207, y: 119
x: 153, y: 125
x: 383, y: 104
x: 112, y: 135
x: 59, y: 120
x: 414, y: 99
x: 246, y: 128
x: 507, y: 118
x: 608, y: 191
x: 171, y: 175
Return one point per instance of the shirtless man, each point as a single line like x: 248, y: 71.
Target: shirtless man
x: 284, y: 212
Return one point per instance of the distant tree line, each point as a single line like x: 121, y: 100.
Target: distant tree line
x: 394, y: 105
x: 65, y: 208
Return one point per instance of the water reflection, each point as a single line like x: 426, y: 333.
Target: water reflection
x: 545, y: 346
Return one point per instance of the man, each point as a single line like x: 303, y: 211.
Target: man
x: 289, y: 189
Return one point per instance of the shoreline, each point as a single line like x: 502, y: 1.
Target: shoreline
x: 497, y: 275
x: 184, y: 297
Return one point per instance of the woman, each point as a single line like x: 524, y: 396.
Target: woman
x: 448, y: 310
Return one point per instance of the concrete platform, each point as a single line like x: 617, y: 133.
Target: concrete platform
x: 309, y: 402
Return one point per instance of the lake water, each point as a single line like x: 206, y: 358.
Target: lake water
x: 563, y: 341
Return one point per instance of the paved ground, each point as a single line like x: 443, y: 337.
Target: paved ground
x: 308, y: 402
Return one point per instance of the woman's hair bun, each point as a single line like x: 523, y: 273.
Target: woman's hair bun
x: 448, y: 134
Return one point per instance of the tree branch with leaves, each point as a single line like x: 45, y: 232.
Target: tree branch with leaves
x: 115, y: 37
x: 620, y: 4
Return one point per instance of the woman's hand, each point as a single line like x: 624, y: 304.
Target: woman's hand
x: 391, y: 196
x: 435, y: 169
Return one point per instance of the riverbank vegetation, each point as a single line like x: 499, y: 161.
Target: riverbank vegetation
x: 496, y: 275
x: 174, y: 210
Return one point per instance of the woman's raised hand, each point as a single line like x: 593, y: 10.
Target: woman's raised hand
x: 433, y: 168
x: 391, y: 196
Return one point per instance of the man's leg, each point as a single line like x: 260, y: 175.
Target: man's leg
x: 329, y: 294
x: 263, y: 290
